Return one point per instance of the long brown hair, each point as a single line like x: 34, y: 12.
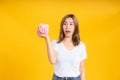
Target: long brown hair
x: 75, y: 36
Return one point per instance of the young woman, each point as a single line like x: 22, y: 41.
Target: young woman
x: 67, y: 53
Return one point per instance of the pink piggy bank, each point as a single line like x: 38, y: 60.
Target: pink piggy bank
x: 43, y: 28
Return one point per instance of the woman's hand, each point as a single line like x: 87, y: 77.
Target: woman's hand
x: 42, y: 32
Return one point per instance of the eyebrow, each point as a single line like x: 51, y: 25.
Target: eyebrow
x: 66, y: 21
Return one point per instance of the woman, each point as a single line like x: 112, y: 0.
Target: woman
x: 68, y: 53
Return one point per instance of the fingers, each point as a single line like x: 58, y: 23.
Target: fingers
x: 38, y: 32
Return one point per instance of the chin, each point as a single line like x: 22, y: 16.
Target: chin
x: 68, y: 36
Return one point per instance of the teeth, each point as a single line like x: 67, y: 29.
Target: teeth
x: 67, y: 31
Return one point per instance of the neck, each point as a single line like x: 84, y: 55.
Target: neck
x: 67, y: 39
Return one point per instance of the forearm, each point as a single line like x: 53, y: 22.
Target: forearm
x: 83, y: 77
x: 82, y: 71
x: 50, y: 51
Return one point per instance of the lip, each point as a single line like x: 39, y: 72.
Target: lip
x: 67, y: 32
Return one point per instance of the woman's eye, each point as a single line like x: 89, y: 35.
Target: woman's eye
x: 64, y: 23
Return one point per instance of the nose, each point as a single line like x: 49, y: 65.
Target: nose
x: 67, y: 26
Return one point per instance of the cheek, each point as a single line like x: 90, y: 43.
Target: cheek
x: 73, y: 28
x: 64, y: 28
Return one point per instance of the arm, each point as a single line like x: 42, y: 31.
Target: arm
x: 51, y: 52
x: 82, y: 70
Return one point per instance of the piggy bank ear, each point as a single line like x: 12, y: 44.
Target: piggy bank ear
x: 40, y: 25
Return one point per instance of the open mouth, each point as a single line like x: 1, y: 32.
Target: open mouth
x: 68, y: 31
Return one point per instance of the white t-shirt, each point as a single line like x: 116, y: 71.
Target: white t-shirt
x: 68, y: 61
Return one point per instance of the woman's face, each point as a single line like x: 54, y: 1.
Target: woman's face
x: 68, y: 27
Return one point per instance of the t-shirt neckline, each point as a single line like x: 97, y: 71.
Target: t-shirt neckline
x: 68, y: 49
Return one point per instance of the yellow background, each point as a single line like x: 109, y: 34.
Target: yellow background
x: 23, y: 54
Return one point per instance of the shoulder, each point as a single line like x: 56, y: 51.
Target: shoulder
x: 54, y: 41
x: 82, y: 44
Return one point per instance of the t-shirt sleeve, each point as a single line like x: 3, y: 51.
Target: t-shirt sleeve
x: 84, y: 52
x: 54, y: 44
